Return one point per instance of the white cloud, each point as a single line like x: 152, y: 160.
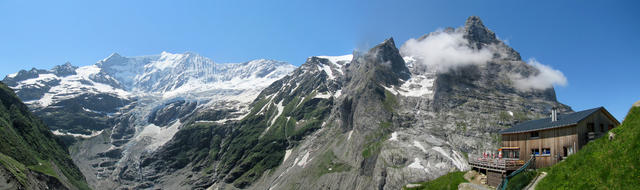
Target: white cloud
x: 546, y: 78
x: 443, y: 51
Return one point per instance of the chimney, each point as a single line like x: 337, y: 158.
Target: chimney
x: 554, y: 114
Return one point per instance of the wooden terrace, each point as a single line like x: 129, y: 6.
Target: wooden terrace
x: 494, y: 164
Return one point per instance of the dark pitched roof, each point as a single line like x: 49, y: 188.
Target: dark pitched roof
x: 546, y: 123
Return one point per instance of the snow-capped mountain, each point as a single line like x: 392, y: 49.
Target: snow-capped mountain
x: 371, y: 120
x: 136, y: 104
x: 173, y: 75
x: 102, y: 89
x: 167, y: 75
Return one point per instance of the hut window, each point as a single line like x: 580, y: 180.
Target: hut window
x: 535, y: 152
x: 535, y: 134
x: 511, y: 153
x: 546, y: 151
x: 590, y: 127
x: 610, y: 127
x: 570, y: 150
x: 601, y: 127
x: 567, y: 150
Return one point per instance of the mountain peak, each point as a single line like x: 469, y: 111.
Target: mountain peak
x: 477, y: 33
x: 386, y: 44
x: 114, y: 55
x: 65, y: 69
x: 191, y: 53
x: 474, y: 20
x: 387, y: 55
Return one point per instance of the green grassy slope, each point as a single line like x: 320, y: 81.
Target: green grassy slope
x: 25, y: 138
x: 602, y: 164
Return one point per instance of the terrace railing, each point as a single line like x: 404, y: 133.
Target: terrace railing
x: 497, y: 163
x: 504, y: 183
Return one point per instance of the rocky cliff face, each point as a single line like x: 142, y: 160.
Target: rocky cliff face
x: 371, y: 120
x: 123, y: 107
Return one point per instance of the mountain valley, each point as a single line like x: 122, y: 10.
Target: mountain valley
x: 377, y: 119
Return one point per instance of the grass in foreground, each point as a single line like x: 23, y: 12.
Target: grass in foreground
x: 602, y: 164
x: 445, y: 182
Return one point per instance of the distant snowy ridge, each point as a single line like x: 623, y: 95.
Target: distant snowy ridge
x: 166, y: 75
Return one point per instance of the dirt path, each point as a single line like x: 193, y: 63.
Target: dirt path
x: 532, y: 185
x: 475, y: 181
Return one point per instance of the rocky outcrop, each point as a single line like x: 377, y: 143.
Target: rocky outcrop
x: 30, y: 180
x: 372, y: 120
x: 64, y: 70
x: 386, y: 129
x: 171, y: 111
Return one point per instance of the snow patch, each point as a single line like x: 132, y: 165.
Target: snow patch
x: 286, y: 155
x: 327, y: 95
x: 350, y: 133
x: 295, y: 88
x: 416, y: 86
x: 338, y: 93
x: 410, y: 60
x: 93, y: 134
x: 166, y: 60
x: 158, y: 135
x: 394, y: 137
x: 324, y: 95
x: 70, y: 86
x: 46, y: 100
x: 279, y: 108
x: 417, y: 144
x: 327, y: 69
x: 416, y: 164
x: 337, y: 59
x: 304, y: 160
x: 298, y: 105
x: 458, y: 161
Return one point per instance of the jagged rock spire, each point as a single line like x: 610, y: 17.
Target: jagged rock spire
x: 387, y: 53
x: 64, y: 70
x: 477, y: 33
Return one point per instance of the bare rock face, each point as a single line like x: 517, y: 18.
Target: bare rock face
x: 64, y: 70
x: 371, y: 120
x: 122, y: 108
x: 33, y: 180
x: 478, y: 34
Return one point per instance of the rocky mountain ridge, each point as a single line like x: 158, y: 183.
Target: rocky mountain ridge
x: 91, y: 94
x: 371, y: 120
x: 125, y: 106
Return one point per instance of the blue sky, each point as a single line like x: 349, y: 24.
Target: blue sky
x: 595, y: 43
